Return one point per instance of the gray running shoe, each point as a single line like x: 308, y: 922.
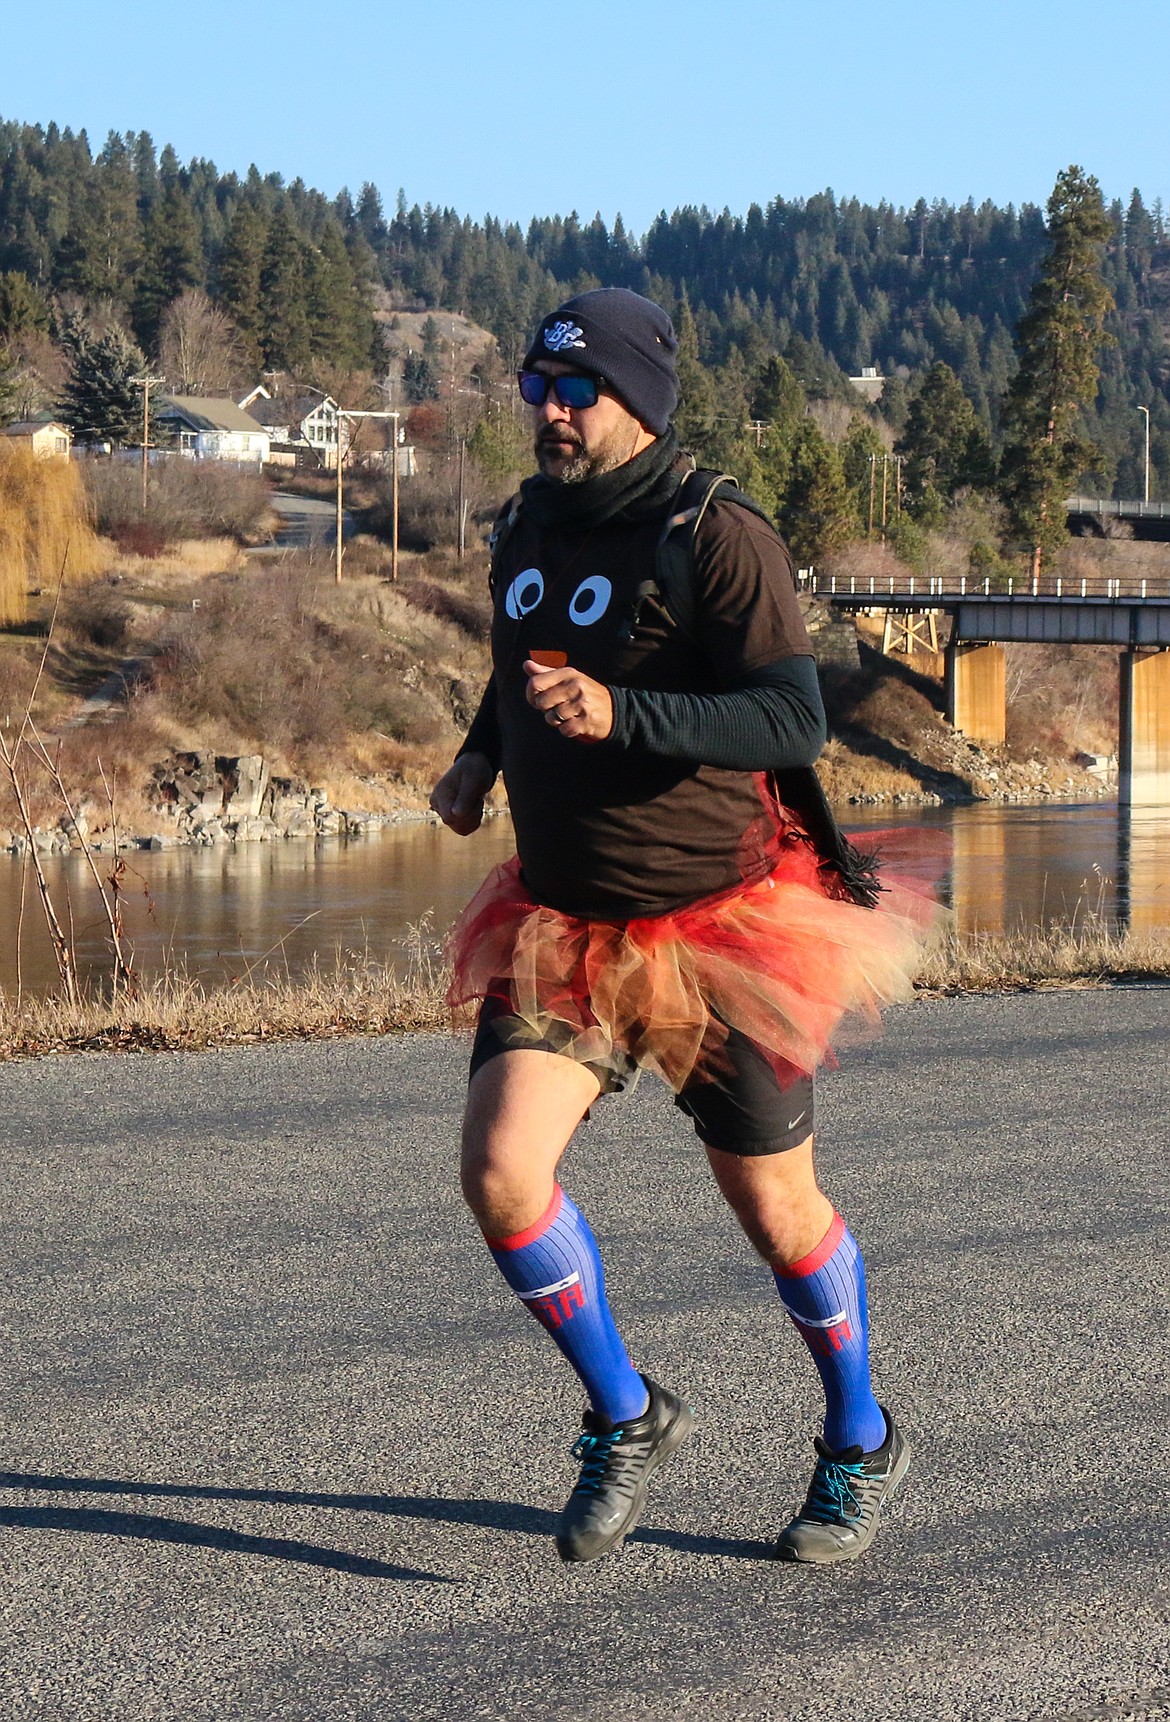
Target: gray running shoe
x: 617, y: 1462
x: 845, y: 1498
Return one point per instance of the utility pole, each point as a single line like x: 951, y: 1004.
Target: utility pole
x: 340, y: 511
x: 144, y: 383
x: 872, y: 486
x: 387, y: 388
x: 394, y: 503
x: 344, y: 413
x: 462, y: 501
x: 885, y: 482
x: 1146, y: 410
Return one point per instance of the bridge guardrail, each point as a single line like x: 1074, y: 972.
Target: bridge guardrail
x: 948, y: 591
x: 1125, y: 508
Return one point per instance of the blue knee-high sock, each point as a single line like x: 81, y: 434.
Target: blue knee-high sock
x: 824, y: 1293
x: 555, y: 1270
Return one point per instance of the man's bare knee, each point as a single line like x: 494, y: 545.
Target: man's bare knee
x: 522, y: 1109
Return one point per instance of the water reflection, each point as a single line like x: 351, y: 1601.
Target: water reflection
x: 226, y: 912
x: 1143, y: 859
x: 223, y: 913
x: 1053, y: 865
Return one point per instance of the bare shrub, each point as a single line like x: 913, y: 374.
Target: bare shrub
x: 1061, y: 700
x: 46, y: 529
x: 98, y: 616
x: 120, y: 749
x: 290, y: 662
x: 185, y: 499
x: 200, y: 348
x: 473, y: 615
x: 832, y: 418
x: 866, y: 558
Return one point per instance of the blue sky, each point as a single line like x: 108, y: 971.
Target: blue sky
x: 519, y: 109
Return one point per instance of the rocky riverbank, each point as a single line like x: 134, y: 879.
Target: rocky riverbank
x: 204, y: 799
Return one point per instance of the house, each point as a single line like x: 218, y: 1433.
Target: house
x: 870, y: 383
x: 48, y: 439
x: 302, y: 426
x: 206, y: 428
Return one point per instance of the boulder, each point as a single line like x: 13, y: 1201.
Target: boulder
x: 300, y: 823
x: 244, y: 782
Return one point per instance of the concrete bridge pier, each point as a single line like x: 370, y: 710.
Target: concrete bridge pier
x: 1143, y: 775
x: 976, y: 692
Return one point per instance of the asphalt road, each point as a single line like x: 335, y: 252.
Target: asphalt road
x: 307, y: 521
x: 276, y: 1444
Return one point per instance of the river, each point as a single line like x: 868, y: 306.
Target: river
x: 224, y: 912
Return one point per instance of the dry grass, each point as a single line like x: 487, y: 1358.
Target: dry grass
x: 185, y: 499
x: 177, y: 1013
x: 845, y: 775
x: 46, y: 532
x: 1090, y: 954
x: 193, y: 559
x: 287, y: 663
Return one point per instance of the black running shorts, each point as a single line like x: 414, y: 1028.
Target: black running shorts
x: 749, y: 1113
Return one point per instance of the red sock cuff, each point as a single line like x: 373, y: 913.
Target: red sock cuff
x: 530, y: 1233
x: 817, y: 1257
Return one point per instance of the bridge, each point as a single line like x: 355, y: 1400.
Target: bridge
x: 1092, y: 515
x: 1132, y: 615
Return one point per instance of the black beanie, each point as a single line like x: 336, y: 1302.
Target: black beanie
x: 622, y: 337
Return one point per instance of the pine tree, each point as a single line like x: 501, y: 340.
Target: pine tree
x: 101, y: 402
x: 420, y: 378
x: 862, y: 454
x: 695, y: 419
x: 24, y: 310
x: 1057, y: 340
x: 945, y: 446
x: 237, y: 277
x: 338, y: 318
x: 285, y: 325
x: 817, y: 515
x: 172, y: 262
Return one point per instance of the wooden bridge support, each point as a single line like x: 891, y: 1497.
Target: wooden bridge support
x: 1143, y: 775
x: 976, y: 691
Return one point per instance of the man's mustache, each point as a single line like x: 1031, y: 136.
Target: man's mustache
x: 551, y: 436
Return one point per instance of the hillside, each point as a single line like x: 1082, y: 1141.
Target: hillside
x: 226, y: 698
x: 831, y: 283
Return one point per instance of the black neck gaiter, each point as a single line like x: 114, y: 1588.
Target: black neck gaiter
x: 636, y: 490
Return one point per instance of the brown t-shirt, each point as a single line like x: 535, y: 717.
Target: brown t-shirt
x: 604, y: 831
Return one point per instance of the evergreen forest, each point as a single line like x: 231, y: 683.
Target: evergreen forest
x: 796, y: 296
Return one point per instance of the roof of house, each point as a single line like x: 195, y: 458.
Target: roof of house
x: 29, y: 427
x: 208, y: 413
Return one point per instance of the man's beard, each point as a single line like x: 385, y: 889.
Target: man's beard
x: 605, y: 457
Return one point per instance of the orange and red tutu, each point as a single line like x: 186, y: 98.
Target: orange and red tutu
x: 780, y: 959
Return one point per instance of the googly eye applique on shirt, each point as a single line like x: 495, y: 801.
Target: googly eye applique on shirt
x: 590, y: 601
x: 524, y: 593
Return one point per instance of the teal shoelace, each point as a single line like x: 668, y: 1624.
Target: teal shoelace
x: 832, y: 1496
x: 594, y: 1453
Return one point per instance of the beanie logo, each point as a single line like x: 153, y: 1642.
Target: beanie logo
x: 558, y: 336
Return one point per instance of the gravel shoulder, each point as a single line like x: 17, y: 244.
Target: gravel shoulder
x: 276, y: 1444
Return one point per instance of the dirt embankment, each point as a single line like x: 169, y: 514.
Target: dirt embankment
x: 225, y: 698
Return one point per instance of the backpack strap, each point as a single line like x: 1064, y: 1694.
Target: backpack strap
x: 500, y: 533
x: 848, y: 871
x: 674, y: 554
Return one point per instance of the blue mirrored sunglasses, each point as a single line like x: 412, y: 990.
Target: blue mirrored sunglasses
x: 576, y: 389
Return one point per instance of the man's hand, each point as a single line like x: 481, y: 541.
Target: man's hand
x: 458, y: 796
x: 578, y: 708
